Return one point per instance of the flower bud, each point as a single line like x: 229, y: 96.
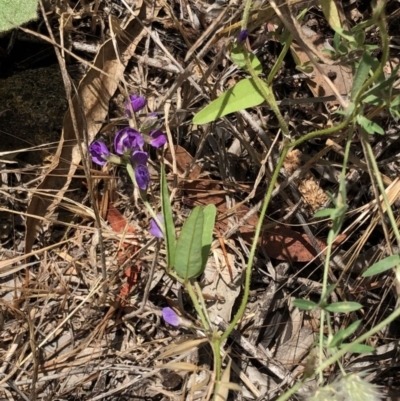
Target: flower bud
x: 99, y: 152
x: 136, y: 102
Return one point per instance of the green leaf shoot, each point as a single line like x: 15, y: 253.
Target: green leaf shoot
x: 343, y: 307
x: 304, y: 304
x: 243, y: 95
x: 382, y: 266
x: 359, y: 348
x: 344, y: 333
x: 369, y: 126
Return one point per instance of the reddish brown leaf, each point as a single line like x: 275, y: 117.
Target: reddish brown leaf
x: 117, y: 221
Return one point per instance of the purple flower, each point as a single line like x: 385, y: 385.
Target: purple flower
x: 139, y: 157
x: 136, y: 102
x: 242, y: 35
x: 99, y: 152
x: 171, y: 317
x: 155, y: 229
x: 158, y: 139
x: 127, y: 140
x: 142, y: 176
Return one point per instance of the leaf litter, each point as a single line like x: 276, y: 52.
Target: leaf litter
x: 73, y: 335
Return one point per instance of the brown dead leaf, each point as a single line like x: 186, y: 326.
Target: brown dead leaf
x: 340, y: 75
x: 279, y: 242
x: 117, y: 221
x: 90, y: 108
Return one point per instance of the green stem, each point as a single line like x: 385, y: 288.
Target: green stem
x: 216, y: 344
x: 196, y: 305
x: 202, y: 302
x: 381, y: 186
x: 279, y: 61
x: 268, y: 95
x: 347, y: 348
x: 246, y: 14
x: 343, y: 351
x: 249, y: 266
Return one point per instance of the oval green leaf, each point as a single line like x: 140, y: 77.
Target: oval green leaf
x: 188, y: 253
x: 359, y: 348
x: 344, y: 333
x: 304, y: 304
x: 343, y: 307
x: 243, y: 95
x: 382, y: 265
x: 324, y: 213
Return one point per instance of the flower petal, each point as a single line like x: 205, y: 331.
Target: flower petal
x: 126, y: 140
x: 171, y: 317
x: 142, y: 176
x: 155, y: 229
x: 158, y: 139
x: 139, y: 157
x: 136, y: 102
x: 99, y: 152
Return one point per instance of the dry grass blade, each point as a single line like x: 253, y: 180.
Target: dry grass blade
x: 177, y: 349
x: 181, y: 366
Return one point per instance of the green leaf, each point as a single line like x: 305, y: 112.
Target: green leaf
x: 188, y: 255
x: 383, y: 87
x: 348, y: 111
x: 349, y: 36
x: 374, y: 100
x: 395, y: 102
x: 336, y: 41
x: 365, y: 65
x: 369, y: 125
x: 14, y: 13
x: 328, y: 212
x: 394, y: 107
x: 344, y: 333
x: 304, y: 304
x: 307, y: 67
x: 170, y: 238
x: 331, y: 14
x: 359, y: 36
x: 243, y: 95
x: 343, y: 307
x: 238, y: 57
x: 382, y: 265
x: 359, y: 348
x: 210, y: 211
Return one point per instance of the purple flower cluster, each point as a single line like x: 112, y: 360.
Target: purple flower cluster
x: 129, y: 143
